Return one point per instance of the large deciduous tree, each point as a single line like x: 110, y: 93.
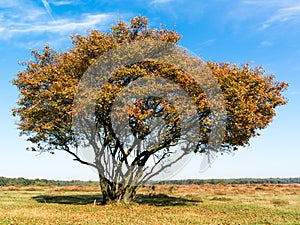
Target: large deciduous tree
x: 50, y: 82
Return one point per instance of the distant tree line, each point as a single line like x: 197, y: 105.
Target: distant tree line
x: 20, y: 181
x: 44, y: 182
x: 233, y: 181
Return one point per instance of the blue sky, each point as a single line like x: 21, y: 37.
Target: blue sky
x: 260, y: 32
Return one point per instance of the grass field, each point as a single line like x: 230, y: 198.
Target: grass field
x: 164, y: 204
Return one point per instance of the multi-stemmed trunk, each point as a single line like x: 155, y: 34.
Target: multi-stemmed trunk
x: 116, y: 192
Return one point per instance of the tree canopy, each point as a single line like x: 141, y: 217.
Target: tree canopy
x: 50, y: 82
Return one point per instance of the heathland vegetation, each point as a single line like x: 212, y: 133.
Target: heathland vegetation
x: 154, y: 204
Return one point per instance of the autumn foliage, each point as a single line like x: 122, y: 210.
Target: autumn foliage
x: 49, y: 82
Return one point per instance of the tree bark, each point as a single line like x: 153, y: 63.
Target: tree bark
x: 113, y: 192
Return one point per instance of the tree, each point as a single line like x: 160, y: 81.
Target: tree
x: 54, y: 84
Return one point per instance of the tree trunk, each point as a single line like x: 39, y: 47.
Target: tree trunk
x: 113, y: 192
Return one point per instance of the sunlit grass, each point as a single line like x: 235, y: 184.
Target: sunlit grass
x: 164, y: 204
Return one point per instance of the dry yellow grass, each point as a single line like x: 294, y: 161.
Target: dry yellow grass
x: 166, y: 204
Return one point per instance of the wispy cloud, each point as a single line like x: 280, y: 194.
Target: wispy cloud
x: 7, y: 3
x: 265, y: 44
x: 61, y: 26
x: 271, y: 3
x: 19, y: 12
x: 60, y: 3
x: 160, y: 1
x: 274, y: 11
x: 208, y: 42
x: 283, y: 15
x: 48, y: 8
x: 26, y: 17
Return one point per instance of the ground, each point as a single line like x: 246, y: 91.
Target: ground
x: 162, y: 204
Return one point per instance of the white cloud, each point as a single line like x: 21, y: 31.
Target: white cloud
x: 48, y: 8
x: 283, y: 15
x: 60, y: 3
x: 19, y: 10
x: 61, y: 26
x: 7, y: 3
x: 266, y: 43
x: 31, y: 14
x: 272, y: 11
x: 160, y: 1
x: 208, y: 42
x: 271, y: 3
x: 23, y: 17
